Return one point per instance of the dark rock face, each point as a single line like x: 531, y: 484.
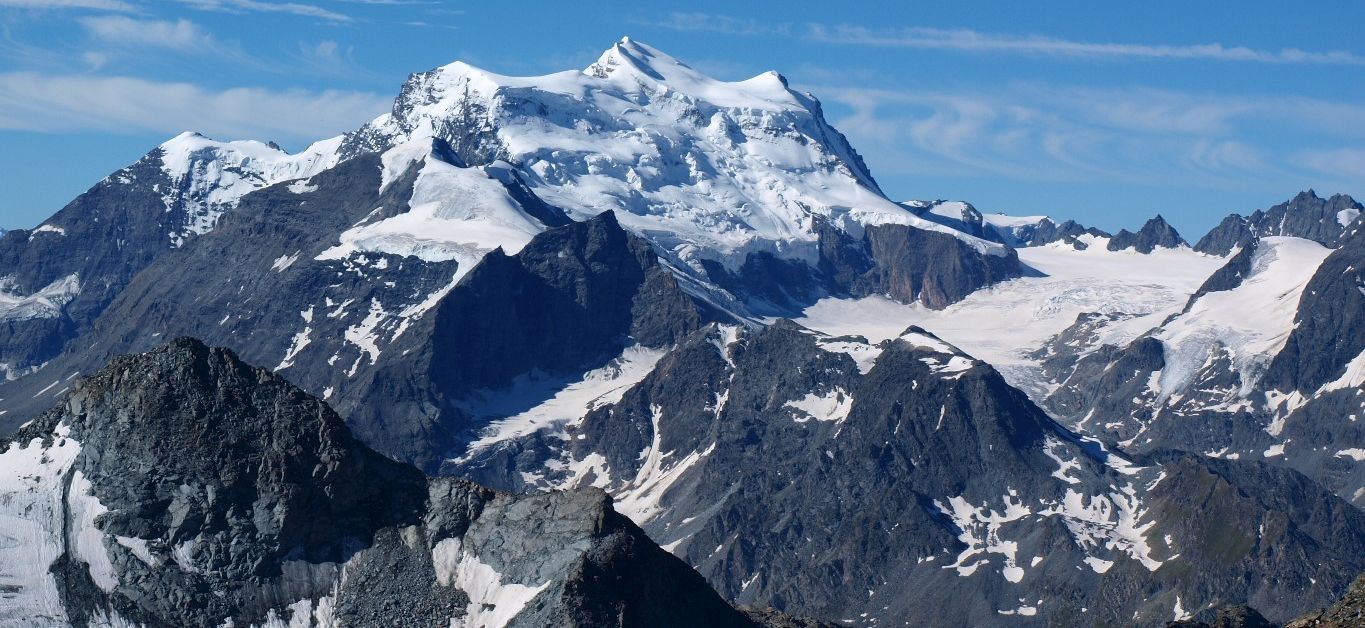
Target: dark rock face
x: 933, y: 268
x: 1348, y: 611
x: 1329, y: 328
x: 269, y: 498
x: 1155, y: 233
x: 1231, y: 616
x: 1305, y: 216
x: 1228, y: 276
x: 793, y: 471
x: 1298, y: 407
x: 902, y: 262
x: 99, y: 241
x: 968, y: 220
x: 571, y: 299
x: 388, y: 339
x: 1068, y: 231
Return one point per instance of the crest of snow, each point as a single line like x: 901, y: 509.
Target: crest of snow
x: 32, y: 517
x: 1003, y: 322
x: 84, y: 540
x: 492, y: 602
x: 1026, y: 611
x: 704, y: 168
x: 454, y: 214
x: 1110, y: 521
x: 1355, y: 453
x: 565, y: 402
x: 640, y: 498
x: 284, y: 261
x: 864, y: 354
x: 831, y: 406
x: 45, y: 303
x: 1006, y: 221
x: 1274, y: 450
x: 1100, y: 565
x: 139, y: 549
x: 923, y: 340
x: 301, y: 340
x: 728, y: 335
x: 45, y: 229
x: 209, y: 177
x: 979, y: 529
x: 302, y: 186
x: 1051, y: 448
x: 1252, y: 320
x: 590, y: 470
x: 1353, y: 376
x: 364, y: 335
x: 1180, y: 612
x: 1347, y: 216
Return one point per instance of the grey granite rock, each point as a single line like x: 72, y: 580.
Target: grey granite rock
x: 1305, y: 216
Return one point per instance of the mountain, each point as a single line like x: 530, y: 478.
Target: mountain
x: 1153, y: 234
x: 1262, y: 362
x: 643, y: 306
x: 271, y: 512
x: 821, y: 474
x: 1347, y: 611
x: 1013, y: 231
x: 60, y: 276
x: 1304, y: 216
x: 360, y: 242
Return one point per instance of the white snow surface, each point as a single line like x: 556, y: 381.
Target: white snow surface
x: 564, y: 402
x: 706, y: 169
x: 1252, y: 320
x: 1000, y: 323
x: 46, y: 303
x: 209, y: 177
x: 32, y: 515
x: 492, y: 602
x: 455, y: 213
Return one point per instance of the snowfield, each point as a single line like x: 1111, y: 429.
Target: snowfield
x: 1001, y: 323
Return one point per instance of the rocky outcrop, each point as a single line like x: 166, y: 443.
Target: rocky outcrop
x: 1328, y: 336
x: 804, y: 471
x: 1348, y: 611
x: 267, y: 500
x: 1155, y: 233
x: 1305, y: 216
x: 1231, y: 616
x: 902, y: 262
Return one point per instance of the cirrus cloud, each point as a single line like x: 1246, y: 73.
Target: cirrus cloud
x: 42, y: 103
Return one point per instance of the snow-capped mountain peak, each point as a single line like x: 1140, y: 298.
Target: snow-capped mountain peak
x: 705, y: 169
x: 207, y: 177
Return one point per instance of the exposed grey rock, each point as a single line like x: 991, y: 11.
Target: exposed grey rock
x: 1228, y: 276
x: 1230, y: 616
x: 1155, y: 233
x: 1305, y: 216
x: 832, y: 511
x: 1068, y: 231
x: 268, y: 498
x: 1329, y: 328
x: 1347, y: 611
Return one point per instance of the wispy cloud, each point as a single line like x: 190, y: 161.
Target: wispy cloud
x: 1029, y: 132
x: 256, y: 6
x: 180, y: 34
x: 107, y: 5
x: 698, y: 22
x: 964, y: 40
x: 42, y: 103
x: 330, y: 58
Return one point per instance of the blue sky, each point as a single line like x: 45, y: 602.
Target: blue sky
x: 1103, y: 112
